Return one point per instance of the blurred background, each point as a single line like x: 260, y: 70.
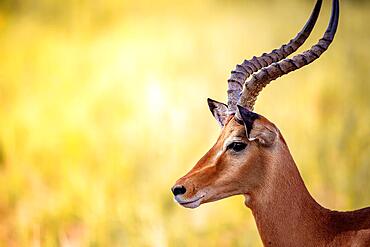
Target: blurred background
x: 103, y: 108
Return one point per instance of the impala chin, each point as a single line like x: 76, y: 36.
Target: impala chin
x: 190, y: 203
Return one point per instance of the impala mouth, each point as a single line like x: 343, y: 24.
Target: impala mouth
x: 190, y: 203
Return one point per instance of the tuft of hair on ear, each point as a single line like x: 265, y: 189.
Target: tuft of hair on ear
x: 248, y: 118
x: 219, y: 111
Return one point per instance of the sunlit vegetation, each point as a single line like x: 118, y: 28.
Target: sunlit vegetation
x: 103, y: 107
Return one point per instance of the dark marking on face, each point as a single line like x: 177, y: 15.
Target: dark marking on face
x: 248, y: 118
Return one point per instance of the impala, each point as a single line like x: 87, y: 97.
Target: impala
x: 251, y: 158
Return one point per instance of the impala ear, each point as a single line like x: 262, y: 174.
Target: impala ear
x: 219, y: 111
x: 257, y: 127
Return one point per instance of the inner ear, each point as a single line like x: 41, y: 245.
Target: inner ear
x: 265, y: 136
x: 219, y: 111
x: 257, y: 127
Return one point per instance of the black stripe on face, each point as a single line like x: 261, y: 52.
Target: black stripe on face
x: 248, y: 118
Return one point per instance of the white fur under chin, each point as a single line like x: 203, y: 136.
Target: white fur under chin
x: 190, y: 203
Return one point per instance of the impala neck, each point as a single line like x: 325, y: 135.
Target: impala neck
x: 284, y: 211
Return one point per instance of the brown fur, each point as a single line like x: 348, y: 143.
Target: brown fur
x: 284, y: 211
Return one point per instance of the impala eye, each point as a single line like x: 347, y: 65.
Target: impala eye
x: 237, y: 146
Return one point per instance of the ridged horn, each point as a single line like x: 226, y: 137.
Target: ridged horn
x: 242, y: 71
x: 260, y: 79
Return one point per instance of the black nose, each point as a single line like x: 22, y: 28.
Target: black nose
x: 178, y: 190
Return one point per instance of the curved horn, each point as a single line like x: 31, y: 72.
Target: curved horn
x: 260, y: 79
x: 242, y: 71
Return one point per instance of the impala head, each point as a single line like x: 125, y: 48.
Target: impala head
x: 240, y: 153
x: 249, y: 144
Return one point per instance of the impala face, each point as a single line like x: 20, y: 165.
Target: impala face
x: 239, y: 154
